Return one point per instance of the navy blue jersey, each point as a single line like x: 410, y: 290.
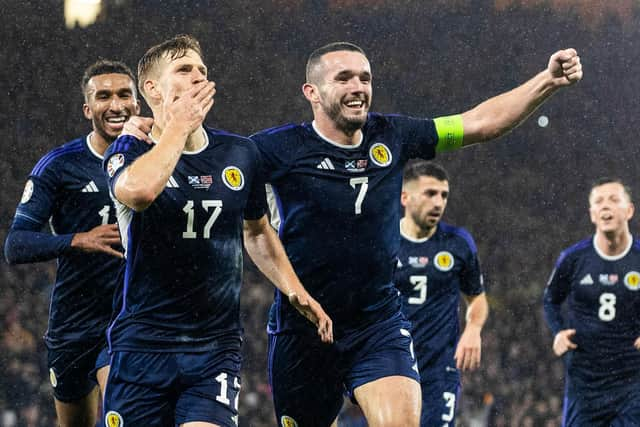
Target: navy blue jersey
x: 431, y: 274
x: 339, y: 214
x: 184, y: 252
x: 603, y: 296
x: 68, y: 190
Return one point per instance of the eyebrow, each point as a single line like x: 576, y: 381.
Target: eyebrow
x: 348, y: 73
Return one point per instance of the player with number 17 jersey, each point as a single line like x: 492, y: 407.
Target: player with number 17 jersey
x: 184, y: 252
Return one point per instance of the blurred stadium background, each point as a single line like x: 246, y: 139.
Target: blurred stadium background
x: 523, y: 198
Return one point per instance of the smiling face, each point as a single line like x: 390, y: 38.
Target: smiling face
x: 110, y: 99
x: 340, y: 89
x: 610, y: 208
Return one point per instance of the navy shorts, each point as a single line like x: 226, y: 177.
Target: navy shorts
x: 168, y: 389
x: 70, y: 368
x: 440, y: 400
x: 609, y: 407
x: 309, y: 378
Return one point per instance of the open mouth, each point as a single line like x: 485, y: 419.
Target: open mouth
x: 116, y: 122
x: 355, y: 104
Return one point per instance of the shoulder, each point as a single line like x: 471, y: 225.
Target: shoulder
x: 575, y: 250
x: 58, y: 155
x: 278, y: 134
x: 459, y: 233
x: 219, y: 137
x: 376, y: 120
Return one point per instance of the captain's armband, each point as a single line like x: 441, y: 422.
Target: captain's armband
x: 450, y: 132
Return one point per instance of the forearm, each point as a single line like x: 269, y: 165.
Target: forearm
x: 142, y: 182
x: 26, y: 246
x: 267, y: 253
x: 552, y: 314
x: 498, y: 115
x: 477, y: 311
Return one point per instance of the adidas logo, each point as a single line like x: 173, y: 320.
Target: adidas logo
x: 325, y: 164
x: 586, y: 280
x: 172, y: 183
x: 90, y: 188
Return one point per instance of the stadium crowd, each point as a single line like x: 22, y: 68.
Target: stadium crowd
x: 515, y: 195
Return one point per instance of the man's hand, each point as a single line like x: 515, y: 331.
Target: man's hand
x: 636, y: 344
x: 99, y: 239
x: 139, y: 127
x: 468, y: 352
x: 565, y: 67
x: 562, y: 342
x: 191, y: 107
x: 312, y: 310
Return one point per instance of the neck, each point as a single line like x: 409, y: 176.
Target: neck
x: 613, y: 243
x: 195, y: 141
x: 329, y: 130
x: 413, y: 230
x: 98, y: 143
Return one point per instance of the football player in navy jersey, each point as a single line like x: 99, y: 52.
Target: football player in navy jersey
x: 185, y: 204
x: 599, y: 334
x: 68, y: 190
x: 336, y: 183
x: 436, y: 262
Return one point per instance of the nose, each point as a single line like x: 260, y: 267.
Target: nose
x: 356, y: 85
x: 116, y: 104
x: 197, y: 76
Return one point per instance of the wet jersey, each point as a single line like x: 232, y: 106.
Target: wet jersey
x: 339, y: 214
x: 602, y: 295
x: 184, y: 252
x: 431, y: 274
x: 68, y: 190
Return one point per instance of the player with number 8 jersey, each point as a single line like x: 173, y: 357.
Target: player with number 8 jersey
x: 598, y: 335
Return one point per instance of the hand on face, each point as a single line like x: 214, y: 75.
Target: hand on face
x: 190, y: 108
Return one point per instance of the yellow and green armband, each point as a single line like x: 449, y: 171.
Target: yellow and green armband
x: 450, y: 132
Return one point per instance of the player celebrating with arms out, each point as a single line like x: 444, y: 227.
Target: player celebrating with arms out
x: 337, y: 182
x: 436, y: 262
x: 183, y: 206
x: 599, y: 337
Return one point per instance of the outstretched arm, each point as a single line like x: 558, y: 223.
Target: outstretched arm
x: 469, y: 350
x: 266, y: 251
x: 498, y: 115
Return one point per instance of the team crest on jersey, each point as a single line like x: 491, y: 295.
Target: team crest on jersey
x: 443, y: 261
x: 202, y: 182
x: 115, y: 162
x: 287, y: 421
x: 233, y: 178
x: 28, y: 192
x: 53, y: 378
x: 632, y: 280
x: 113, y: 419
x: 380, y: 154
x: 608, y: 279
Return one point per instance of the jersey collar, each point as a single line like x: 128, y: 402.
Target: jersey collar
x: 91, y: 149
x: 190, y: 153
x: 337, y: 144
x: 612, y: 257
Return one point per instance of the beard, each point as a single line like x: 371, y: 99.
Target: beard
x: 348, y: 125
x: 425, y: 223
